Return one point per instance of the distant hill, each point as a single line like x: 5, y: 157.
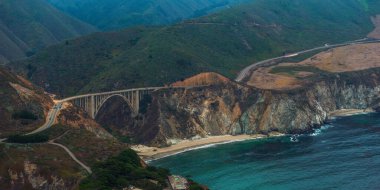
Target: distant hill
x: 117, y: 14
x: 28, y: 25
x: 224, y: 42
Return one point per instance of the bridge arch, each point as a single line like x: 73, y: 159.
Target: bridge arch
x: 92, y: 103
x: 103, y: 101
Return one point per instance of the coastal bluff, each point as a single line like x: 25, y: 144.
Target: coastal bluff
x: 229, y: 108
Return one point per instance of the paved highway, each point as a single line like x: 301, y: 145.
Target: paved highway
x: 50, y: 119
x: 127, y: 90
x: 246, y: 71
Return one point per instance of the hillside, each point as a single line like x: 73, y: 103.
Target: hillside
x: 287, y: 98
x: 28, y: 25
x: 224, y: 42
x: 287, y: 76
x: 39, y: 161
x: 23, y: 106
x: 117, y: 14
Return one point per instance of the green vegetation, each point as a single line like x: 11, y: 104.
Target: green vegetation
x: 24, y: 139
x: 226, y: 43
x: 24, y: 114
x: 123, y: 171
x: 118, y: 14
x: 293, y: 70
x: 55, y: 131
x: 26, y: 26
x: 364, y: 3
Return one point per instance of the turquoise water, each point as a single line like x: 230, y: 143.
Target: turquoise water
x: 342, y: 155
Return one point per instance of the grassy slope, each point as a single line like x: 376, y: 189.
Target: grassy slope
x: 224, y: 42
x: 114, y: 14
x: 26, y: 26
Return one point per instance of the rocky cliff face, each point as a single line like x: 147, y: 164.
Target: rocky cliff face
x: 38, y: 166
x: 235, y: 109
x: 31, y: 178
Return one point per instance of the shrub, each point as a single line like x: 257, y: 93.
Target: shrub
x: 24, y: 114
x: 122, y: 171
x: 28, y: 138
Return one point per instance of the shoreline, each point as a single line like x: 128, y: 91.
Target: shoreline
x: 350, y: 112
x: 153, y: 153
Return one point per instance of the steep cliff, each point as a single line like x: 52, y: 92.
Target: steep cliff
x: 231, y: 108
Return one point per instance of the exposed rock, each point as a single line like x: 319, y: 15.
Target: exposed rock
x: 30, y: 178
x: 235, y: 109
x: 203, y: 79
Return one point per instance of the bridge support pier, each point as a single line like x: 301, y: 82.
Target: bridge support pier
x: 136, y: 102
x: 92, y: 107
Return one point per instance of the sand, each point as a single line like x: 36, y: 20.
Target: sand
x: 151, y: 153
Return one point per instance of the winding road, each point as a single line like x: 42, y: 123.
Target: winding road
x: 246, y: 71
x: 50, y: 119
x: 88, y: 169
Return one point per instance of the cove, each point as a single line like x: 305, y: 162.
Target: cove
x: 344, y: 154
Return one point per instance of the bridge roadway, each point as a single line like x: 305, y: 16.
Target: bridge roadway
x: 92, y: 103
x: 269, y: 62
x: 104, y: 96
x: 51, y: 117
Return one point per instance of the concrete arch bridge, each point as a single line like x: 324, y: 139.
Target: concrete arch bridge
x: 92, y: 103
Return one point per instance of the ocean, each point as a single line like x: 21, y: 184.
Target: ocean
x: 344, y: 154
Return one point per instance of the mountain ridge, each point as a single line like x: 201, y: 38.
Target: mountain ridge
x: 224, y: 42
x: 27, y: 26
x: 118, y: 14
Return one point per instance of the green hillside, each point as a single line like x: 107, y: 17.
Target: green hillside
x: 116, y: 14
x: 224, y: 42
x: 28, y: 25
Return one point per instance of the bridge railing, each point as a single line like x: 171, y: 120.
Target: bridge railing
x: 128, y: 90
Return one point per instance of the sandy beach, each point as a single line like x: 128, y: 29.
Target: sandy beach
x: 349, y: 112
x: 151, y: 153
